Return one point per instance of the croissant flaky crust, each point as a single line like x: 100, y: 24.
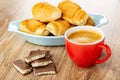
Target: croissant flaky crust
x: 46, y: 12
x: 73, y: 13
x: 58, y: 27
x: 90, y: 22
x: 33, y: 26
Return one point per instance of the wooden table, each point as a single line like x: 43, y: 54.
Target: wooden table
x: 13, y: 46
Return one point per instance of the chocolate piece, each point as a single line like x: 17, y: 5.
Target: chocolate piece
x: 49, y: 69
x: 31, y: 58
x: 35, y: 52
x: 41, y: 62
x: 22, y: 67
x: 46, y: 52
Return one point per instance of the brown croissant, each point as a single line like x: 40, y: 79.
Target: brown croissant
x: 33, y: 27
x: 58, y: 27
x: 90, y: 22
x: 46, y: 12
x: 73, y: 13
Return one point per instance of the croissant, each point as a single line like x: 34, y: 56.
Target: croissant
x: 90, y: 22
x: 73, y: 13
x: 46, y: 12
x: 58, y: 27
x: 33, y: 27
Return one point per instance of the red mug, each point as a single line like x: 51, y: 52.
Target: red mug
x: 86, y: 55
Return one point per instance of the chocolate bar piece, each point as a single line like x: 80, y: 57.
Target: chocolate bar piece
x: 22, y: 67
x: 46, y: 52
x: 41, y: 62
x: 35, y: 52
x: 34, y: 56
x: 49, y: 69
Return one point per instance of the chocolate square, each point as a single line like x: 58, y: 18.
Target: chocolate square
x: 46, y: 52
x: 41, y: 62
x: 34, y: 56
x: 22, y: 67
x: 49, y: 69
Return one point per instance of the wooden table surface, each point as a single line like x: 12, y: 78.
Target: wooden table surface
x: 14, y: 46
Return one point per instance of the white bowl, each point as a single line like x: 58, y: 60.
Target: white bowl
x: 51, y: 40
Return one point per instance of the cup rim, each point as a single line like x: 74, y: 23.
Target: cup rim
x: 73, y: 29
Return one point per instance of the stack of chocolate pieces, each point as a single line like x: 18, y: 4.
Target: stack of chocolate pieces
x: 39, y: 60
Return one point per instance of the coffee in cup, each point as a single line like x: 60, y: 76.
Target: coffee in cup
x: 84, y: 45
x: 84, y: 36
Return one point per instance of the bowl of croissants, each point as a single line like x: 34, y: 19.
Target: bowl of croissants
x: 49, y: 23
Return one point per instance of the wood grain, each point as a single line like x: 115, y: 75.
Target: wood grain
x: 13, y: 46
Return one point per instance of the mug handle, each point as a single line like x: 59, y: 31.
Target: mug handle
x: 108, y: 53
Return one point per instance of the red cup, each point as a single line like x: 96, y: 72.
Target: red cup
x: 86, y: 55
